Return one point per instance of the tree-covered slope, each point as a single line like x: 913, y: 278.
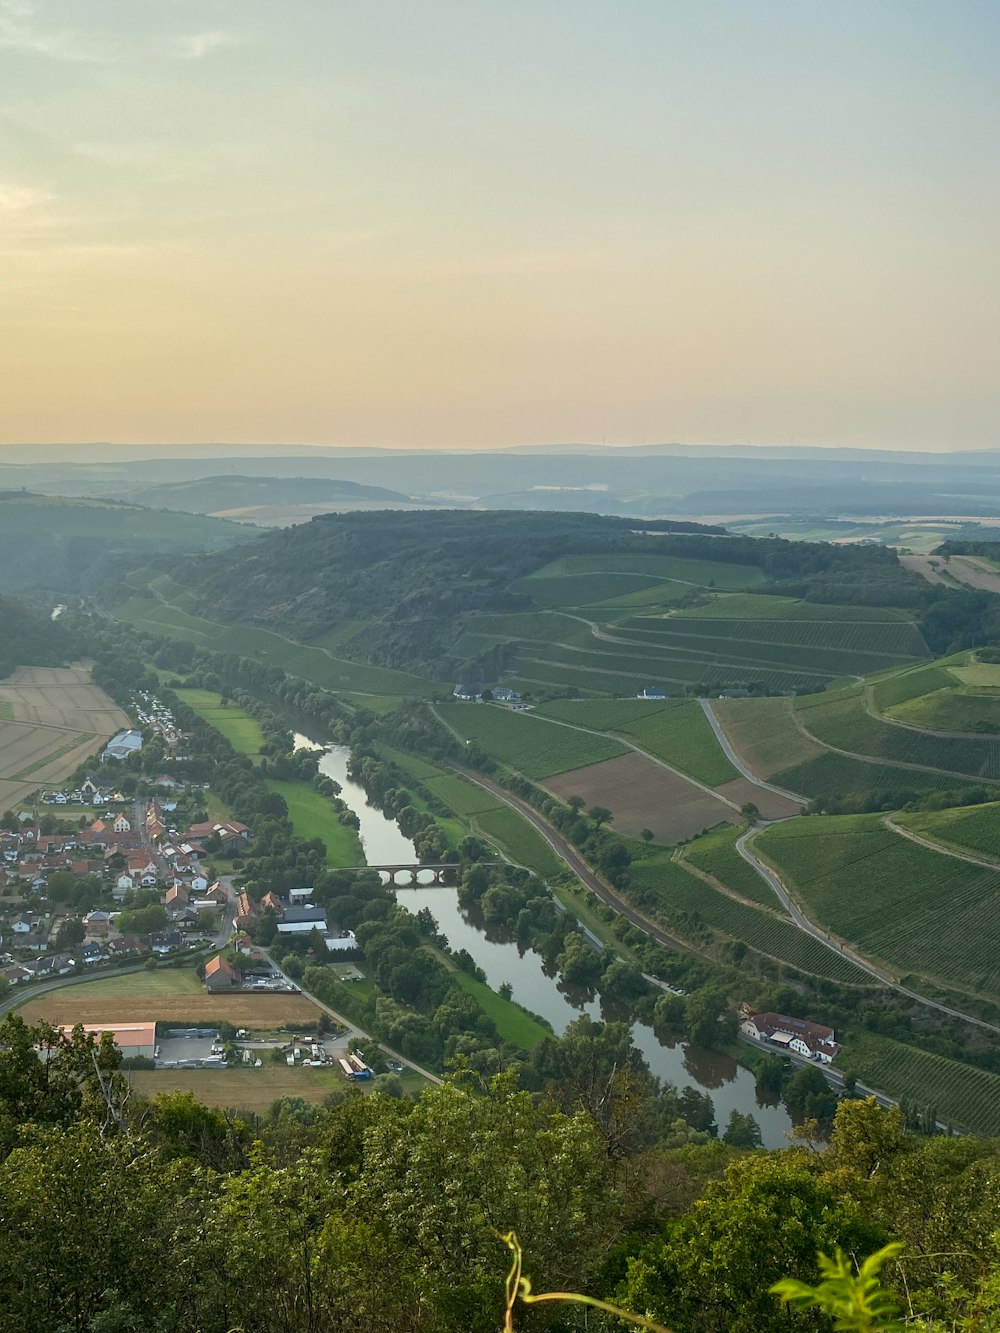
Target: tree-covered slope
x: 410, y: 576
x: 72, y: 546
x: 29, y: 637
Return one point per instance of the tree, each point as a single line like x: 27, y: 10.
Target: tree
x: 575, y: 803
x: 266, y: 930
x: 708, y: 1018
x: 766, y: 1219
x: 647, y: 835
x: 71, y: 932
x: 809, y: 1096
x: 742, y: 1131
x: 600, y: 814
x: 142, y: 920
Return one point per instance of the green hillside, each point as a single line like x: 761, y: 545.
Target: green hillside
x: 77, y: 546
x: 30, y: 637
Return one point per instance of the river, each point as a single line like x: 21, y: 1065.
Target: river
x: 730, y: 1086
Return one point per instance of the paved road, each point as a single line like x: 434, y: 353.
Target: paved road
x: 737, y: 762
x: 804, y: 924
x: 932, y: 846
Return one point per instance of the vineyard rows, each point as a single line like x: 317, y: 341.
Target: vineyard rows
x: 962, y: 1095
x: 922, y: 911
x: 870, y: 640
x: 528, y: 744
x: 676, y: 896
x: 837, y: 776
x: 841, y: 720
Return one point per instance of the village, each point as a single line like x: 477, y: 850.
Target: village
x: 137, y: 893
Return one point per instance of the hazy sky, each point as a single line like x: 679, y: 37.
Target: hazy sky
x: 461, y: 223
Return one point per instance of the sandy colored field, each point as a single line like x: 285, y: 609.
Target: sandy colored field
x: 764, y: 735
x: 641, y: 794
x: 769, y: 803
x: 964, y: 569
x: 239, y: 1089
x: 74, y: 1005
x: 60, y: 719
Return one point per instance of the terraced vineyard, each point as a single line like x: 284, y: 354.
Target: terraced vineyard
x: 682, y: 901
x: 528, y: 744
x: 975, y: 830
x: 922, y: 912
x: 759, y: 606
x: 676, y: 731
x: 831, y: 776
x: 841, y: 720
x: 960, y: 1094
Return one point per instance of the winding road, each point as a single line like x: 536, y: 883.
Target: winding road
x: 737, y: 762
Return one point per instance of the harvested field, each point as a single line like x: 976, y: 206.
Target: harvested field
x: 61, y: 697
x: 239, y: 1089
x: 769, y: 803
x: 74, y: 1005
x: 58, y: 718
x: 641, y: 794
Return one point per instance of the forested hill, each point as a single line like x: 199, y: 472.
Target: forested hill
x: 68, y: 546
x: 29, y: 637
x: 408, y: 576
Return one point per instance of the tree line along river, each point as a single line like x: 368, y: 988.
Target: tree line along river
x: 730, y: 1086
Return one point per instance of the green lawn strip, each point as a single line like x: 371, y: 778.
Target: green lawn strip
x: 520, y: 841
x: 960, y: 1094
x: 510, y: 1020
x: 313, y: 816
x: 242, y: 731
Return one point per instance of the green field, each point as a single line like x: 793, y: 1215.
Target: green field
x: 924, y: 913
x: 240, y: 729
x: 676, y: 731
x: 513, y: 1024
x: 961, y: 1095
x: 531, y: 746
x: 314, y: 664
x: 164, y: 981
x: 687, y: 904
x: 313, y: 816
x: 665, y: 568
x: 839, y: 777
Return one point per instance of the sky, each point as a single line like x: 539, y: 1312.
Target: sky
x: 469, y: 224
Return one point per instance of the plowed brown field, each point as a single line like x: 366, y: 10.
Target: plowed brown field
x: 73, y: 1005
x: 641, y: 794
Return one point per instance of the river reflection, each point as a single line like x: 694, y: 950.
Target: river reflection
x: 504, y: 959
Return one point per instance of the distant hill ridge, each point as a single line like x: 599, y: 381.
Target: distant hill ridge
x: 207, y: 495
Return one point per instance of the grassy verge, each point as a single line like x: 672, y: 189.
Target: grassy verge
x: 313, y: 816
x: 511, y: 1021
x: 241, y: 730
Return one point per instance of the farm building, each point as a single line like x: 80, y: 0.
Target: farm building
x: 794, y: 1034
x: 652, y: 692
x: 467, y: 691
x: 130, y: 1038
x: 122, y: 745
x: 505, y: 695
x: 220, y: 975
x: 301, y: 920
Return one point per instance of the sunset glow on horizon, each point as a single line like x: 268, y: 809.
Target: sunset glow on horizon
x: 464, y: 224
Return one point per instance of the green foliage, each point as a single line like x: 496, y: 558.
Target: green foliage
x: 851, y: 1296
